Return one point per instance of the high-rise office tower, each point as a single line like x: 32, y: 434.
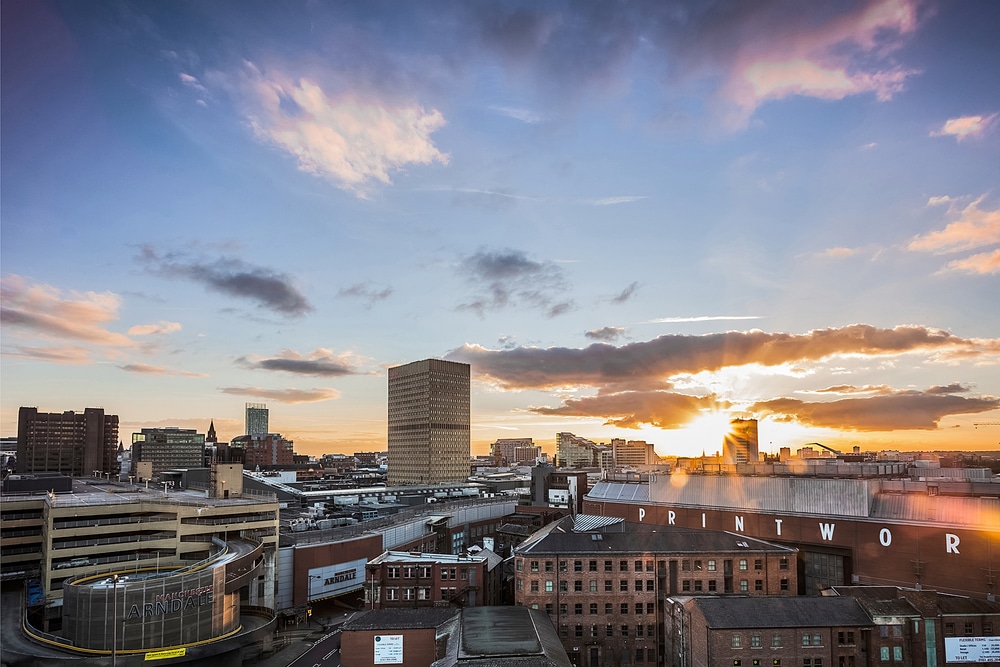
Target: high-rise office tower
x: 68, y: 442
x: 429, y: 421
x: 740, y: 444
x: 256, y: 423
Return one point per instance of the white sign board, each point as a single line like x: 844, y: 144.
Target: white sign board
x: 972, y: 649
x: 388, y: 649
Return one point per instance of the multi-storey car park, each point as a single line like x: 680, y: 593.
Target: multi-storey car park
x: 128, y: 570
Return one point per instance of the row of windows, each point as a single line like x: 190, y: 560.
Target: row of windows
x: 696, y: 585
x: 687, y: 565
x: 807, y: 639
x: 610, y: 630
x: 424, y: 572
x: 969, y: 629
x: 411, y: 593
x: 623, y: 566
x: 844, y: 661
x: 609, y: 608
x: 535, y: 586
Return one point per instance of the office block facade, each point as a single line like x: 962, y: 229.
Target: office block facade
x: 429, y: 422
x: 71, y: 443
x: 256, y: 419
x: 168, y: 448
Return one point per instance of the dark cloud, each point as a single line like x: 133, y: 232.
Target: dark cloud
x: 509, y: 278
x: 899, y: 411
x: 626, y: 293
x: 290, y: 395
x: 319, y: 362
x: 631, y: 409
x: 366, y: 292
x: 233, y: 277
x: 640, y: 363
x: 606, y: 334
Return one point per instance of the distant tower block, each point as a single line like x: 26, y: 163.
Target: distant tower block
x: 256, y: 423
x: 429, y: 422
x: 740, y: 444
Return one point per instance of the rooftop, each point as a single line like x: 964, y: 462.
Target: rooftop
x: 633, y: 538
x: 732, y: 612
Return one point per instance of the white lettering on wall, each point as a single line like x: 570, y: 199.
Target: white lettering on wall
x: 642, y: 514
x: 777, y: 523
x: 951, y: 543
x: 826, y: 530
x: 884, y: 537
x: 739, y: 523
x: 671, y: 515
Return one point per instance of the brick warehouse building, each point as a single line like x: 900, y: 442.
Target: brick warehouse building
x: 604, y: 582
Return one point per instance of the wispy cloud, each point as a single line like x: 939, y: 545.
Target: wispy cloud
x: 965, y: 127
x: 523, y: 115
x: 509, y: 278
x: 612, y: 201
x: 349, y: 138
x: 160, y: 328
x: 72, y: 355
x: 984, y: 263
x: 148, y: 369
x: 232, y: 277
x: 291, y: 395
x: 626, y: 293
x: 192, y: 81
x: 47, y: 311
x: 367, y: 292
x: 606, y: 334
x: 702, y: 318
x: 974, y: 227
x: 320, y: 362
x: 839, y: 252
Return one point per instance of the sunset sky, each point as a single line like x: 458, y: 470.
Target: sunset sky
x: 633, y: 219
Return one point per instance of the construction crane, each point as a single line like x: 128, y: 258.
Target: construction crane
x: 829, y: 449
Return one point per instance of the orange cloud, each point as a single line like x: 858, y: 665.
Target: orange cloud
x: 161, y: 327
x: 974, y: 228
x: 902, y: 410
x: 43, y: 310
x: 631, y: 409
x: 148, y: 369
x: 650, y: 363
x: 985, y: 263
x: 289, y: 395
x: 965, y: 127
x: 348, y: 139
x: 69, y: 354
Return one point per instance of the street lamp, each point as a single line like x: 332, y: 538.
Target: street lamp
x: 114, y: 629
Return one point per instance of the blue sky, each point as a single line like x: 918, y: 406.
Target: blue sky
x: 632, y: 219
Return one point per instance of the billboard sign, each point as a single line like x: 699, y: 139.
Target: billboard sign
x: 388, y: 649
x: 972, y: 649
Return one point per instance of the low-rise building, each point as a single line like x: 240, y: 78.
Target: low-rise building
x: 755, y: 631
x: 416, y: 579
x: 473, y: 637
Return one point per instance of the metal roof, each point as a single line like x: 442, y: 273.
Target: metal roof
x: 734, y: 613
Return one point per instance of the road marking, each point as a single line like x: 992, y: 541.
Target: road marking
x: 327, y: 656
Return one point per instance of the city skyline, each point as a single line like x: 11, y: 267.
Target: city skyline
x: 636, y: 221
